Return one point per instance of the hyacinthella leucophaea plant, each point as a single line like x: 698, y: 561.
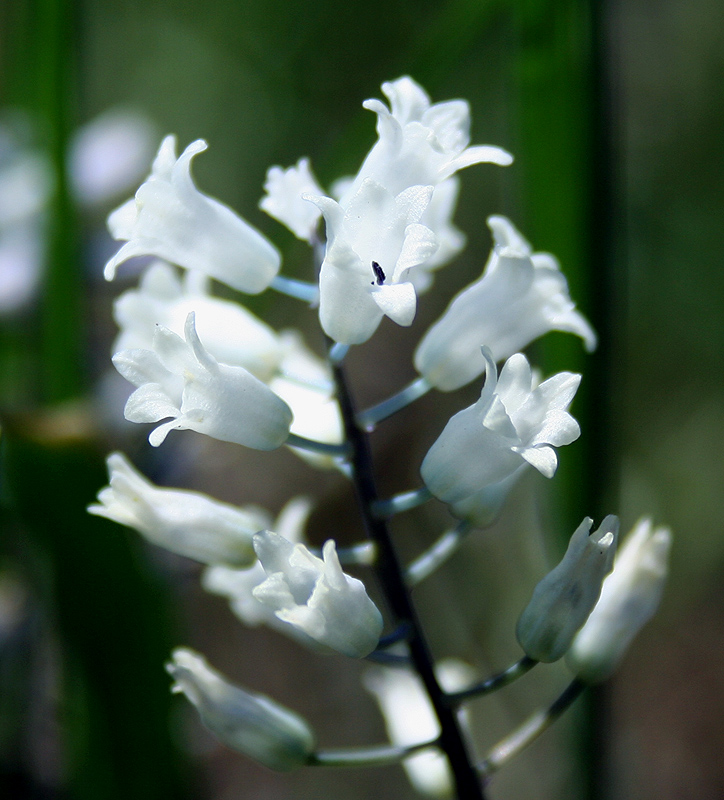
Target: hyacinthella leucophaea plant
x: 207, y: 364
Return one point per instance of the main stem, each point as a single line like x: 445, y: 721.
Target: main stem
x: 391, y: 574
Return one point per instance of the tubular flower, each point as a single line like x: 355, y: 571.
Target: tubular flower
x: 511, y: 424
x: 230, y: 333
x: 251, y: 723
x: 316, y: 596
x: 372, y: 243
x: 629, y: 598
x: 237, y: 585
x: 181, y: 379
x: 520, y: 296
x: 184, y: 522
x: 284, y: 198
x: 419, y: 143
x: 563, y: 600
x: 170, y: 218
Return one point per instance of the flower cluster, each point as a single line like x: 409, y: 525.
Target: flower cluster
x: 202, y: 363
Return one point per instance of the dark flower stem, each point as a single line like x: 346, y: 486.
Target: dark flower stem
x: 391, y: 575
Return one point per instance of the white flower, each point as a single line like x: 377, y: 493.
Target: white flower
x: 451, y: 240
x: 305, y: 383
x: 170, y: 218
x: 316, y: 596
x: 188, y: 523
x: 372, y: 242
x: 629, y: 598
x: 512, y: 423
x: 180, y: 379
x: 283, y: 199
x: 228, y: 331
x: 563, y: 600
x: 520, y: 296
x: 419, y: 143
x: 410, y: 719
x: 251, y: 723
x: 237, y: 585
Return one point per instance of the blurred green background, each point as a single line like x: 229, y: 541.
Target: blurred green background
x: 614, y: 112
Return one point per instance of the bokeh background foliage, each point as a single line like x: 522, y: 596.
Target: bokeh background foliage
x: 614, y: 113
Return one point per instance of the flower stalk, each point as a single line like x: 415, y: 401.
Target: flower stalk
x: 392, y: 576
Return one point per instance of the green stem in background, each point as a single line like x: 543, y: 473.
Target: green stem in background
x: 531, y: 729
x: 62, y: 375
x: 391, y: 575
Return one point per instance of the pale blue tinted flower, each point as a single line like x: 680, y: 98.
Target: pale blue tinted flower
x: 629, y: 598
x: 563, y: 600
x: 181, y: 380
x: 248, y: 722
x: 170, y: 218
x: 316, y: 596
x: 512, y: 423
x: 520, y: 296
x: 184, y: 522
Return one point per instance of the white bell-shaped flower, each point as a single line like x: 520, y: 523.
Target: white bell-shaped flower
x: 451, y: 240
x: 181, y: 380
x: 251, y: 723
x: 170, y: 218
x: 420, y: 143
x: 184, y: 522
x: 512, y: 423
x: 629, y: 598
x: 316, y: 596
x: 228, y: 331
x: 283, y: 199
x: 563, y: 600
x: 237, y: 585
x: 520, y: 296
x: 410, y: 719
x: 372, y: 243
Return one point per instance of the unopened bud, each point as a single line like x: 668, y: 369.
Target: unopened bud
x: 563, y: 600
x: 250, y: 723
x: 629, y: 598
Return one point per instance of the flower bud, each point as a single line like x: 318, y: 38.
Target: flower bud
x: 563, y: 600
x: 316, y: 596
x: 251, y: 723
x: 188, y: 523
x: 629, y: 598
x: 170, y: 218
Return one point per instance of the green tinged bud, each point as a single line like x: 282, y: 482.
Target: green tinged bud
x: 563, y: 600
x: 250, y: 723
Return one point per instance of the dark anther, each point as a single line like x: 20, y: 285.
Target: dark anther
x: 379, y: 273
